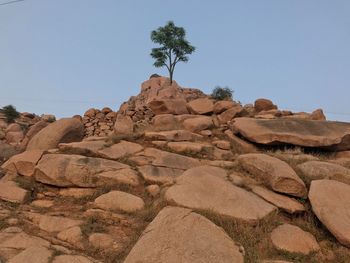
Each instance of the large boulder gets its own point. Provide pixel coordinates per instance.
(314, 170)
(293, 239)
(201, 106)
(330, 201)
(23, 163)
(123, 125)
(180, 235)
(207, 188)
(264, 105)
(276, 174)
(62, 131)
(329, 135)
(168, 106)
(76, 170)
(198, 124)
(174, 135)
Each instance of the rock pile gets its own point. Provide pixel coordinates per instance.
(98, 122)
(195, 185)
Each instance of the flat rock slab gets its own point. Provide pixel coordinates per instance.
(180, 235)
(323, 170)
(189, 147)
(35, 254)
(207, 188)
(20, 240)
(71, 259)
(175, 135)
(62, 131)
(88, 148)
(23, 163)
(76, 170)
(307, 133)
(283, 202)
(330, 201)
(119, 150)
(169, 160)
(161, 175)
(276, 174)
(119, 201)
(11, 192)
(293, 239)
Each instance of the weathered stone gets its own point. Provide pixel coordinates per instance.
(329, 135)
(126, 177)
(283, 202)
(323, 170)
(161, 175)
(330, 201)
(20, 240)
(229, 114)
(123, 125)
(198, 124)
(77, 192)
(168, 106)
(201, 106)
(72, 236)
(207, 188)
(23, 163)
(196, 240)
(43, 203)
(54, 223)
(62, 131)
(221, 144)
(239, 145)
(119, 201)
(293, 239)
(101, 241)
(175, 135)
(75, 170)
(318, 115)
(37, 254)
(165, 122)
(71, 259)
(264, 104)
(88, 148)
(189, 147)
(222, 105)
(276, 174)
(119, 150)
(9, 191)
(153, 190)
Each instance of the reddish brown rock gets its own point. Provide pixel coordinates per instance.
(119, 150)
(10, 192)
(198, 124)
(318, 115)
(264, 104)
(201, 106)
(123, 125)
(229, 114)
(23, 163)
(168, 106)
(222, 105)
(175, 135)
(61, 131)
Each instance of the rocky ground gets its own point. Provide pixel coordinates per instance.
(181, 178)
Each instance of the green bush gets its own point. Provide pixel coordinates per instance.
(220, 93)
(10, 113)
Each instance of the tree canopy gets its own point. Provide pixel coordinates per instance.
(173, 47)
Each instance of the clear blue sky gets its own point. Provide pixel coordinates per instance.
(65, 56)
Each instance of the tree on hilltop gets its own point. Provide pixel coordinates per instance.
(173, 47)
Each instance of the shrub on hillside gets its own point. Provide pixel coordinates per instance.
(220, 93)
(10, 113)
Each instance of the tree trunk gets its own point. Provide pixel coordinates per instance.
(171, 72)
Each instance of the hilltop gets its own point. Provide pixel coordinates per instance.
(175, 175)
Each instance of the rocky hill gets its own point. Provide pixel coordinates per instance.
(176, 176)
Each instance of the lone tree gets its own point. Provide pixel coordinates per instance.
(174, 47)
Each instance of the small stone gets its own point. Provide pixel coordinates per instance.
(153, 190)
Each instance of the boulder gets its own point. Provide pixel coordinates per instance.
(293, 239)
(314, 170)
(119, 201)
(330, 201)
(72, 235)
(201, 106)
(14, 138)
(328, 135)
(35, 253)
(169, 160)
(123, 125)
(180, 235)
(71, 259)
(274, 173)
(222, 105)
(189, 147)
(207, 188)
(222, 144)
(168, 106)
(198, 124)
(62, 131)
(101, 241)
(10, 192)
(318, 115)
(229, 114)
(165, 122)
(23, 163)
(283, 202)
(264, 104)
(119, 150)
(88, 148)
(239, 145)
(76, 170)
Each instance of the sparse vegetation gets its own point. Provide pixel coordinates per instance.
(10, 113)
(222, 93)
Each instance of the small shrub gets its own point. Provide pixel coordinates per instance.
(10, 113)
(220, 93)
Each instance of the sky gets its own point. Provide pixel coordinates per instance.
(66, 56)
